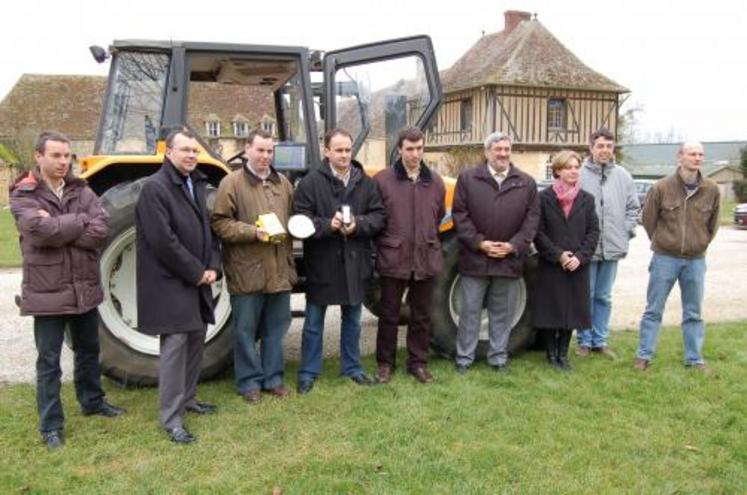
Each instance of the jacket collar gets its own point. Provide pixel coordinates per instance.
(176, 177)
(31, 180)
(254, 180)
(556, 204)
(596, 168)
(356, 171)
(483, 171)
(401, 173)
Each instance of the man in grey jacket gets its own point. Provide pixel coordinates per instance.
(617, 207)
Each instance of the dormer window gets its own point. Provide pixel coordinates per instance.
(240, 129)
(213, 128)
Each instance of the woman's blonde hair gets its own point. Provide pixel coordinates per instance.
(560, 161)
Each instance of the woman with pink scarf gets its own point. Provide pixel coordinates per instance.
(567, 235)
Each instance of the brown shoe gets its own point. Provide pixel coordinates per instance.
(641, 364)
(281, 392)
(253, 396)
(583, 351)
(421, 374)
(384, 373)
(605, 351)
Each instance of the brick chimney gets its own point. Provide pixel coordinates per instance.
(514, 17)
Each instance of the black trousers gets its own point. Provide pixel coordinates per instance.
(418, 331)
(49, 334)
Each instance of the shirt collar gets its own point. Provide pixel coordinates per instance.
(58, 191)
(343, 177)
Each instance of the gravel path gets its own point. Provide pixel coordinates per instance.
(726, 286)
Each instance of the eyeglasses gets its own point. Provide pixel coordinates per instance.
(187, 150)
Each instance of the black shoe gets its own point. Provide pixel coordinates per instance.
(461, 368)
(500, 368)
(202, 408)
(53, 439)
(362, 379)
(180, 435)
(305, 386)
(105, 409)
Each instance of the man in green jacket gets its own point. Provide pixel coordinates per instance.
(681, 218)
(259, 270)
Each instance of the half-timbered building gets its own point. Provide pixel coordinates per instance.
(524, 82)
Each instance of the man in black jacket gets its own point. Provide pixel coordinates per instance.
(177, 261)
(347, 212)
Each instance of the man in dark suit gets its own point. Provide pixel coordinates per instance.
(177, 261)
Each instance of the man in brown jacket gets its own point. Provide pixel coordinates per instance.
(260, 273)
(62, 228)
(496, 213)
(408, 254)
(681, 218)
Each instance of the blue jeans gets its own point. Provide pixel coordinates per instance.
(602, 277)
(264, 318)
(312, 341)
(49, 333)
(664, 271)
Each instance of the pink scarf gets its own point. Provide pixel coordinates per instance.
(566, 194)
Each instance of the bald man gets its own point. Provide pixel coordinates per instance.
(680, 216)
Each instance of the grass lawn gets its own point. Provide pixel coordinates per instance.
(602, 428)
(10, 252)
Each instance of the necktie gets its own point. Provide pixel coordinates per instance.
(191, 187)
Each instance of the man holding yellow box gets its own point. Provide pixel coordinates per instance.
(250, 215)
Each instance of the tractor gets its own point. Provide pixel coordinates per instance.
(297, 94)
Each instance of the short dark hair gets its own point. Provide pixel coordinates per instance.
(602, 132)
(412, 134)
(335, 132)
(41, 142)
(257, 133)
(175, 132)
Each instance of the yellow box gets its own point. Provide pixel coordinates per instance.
(270, 223)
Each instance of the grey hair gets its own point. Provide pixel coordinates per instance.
(494, 138)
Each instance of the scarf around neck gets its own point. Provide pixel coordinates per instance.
(566, 194)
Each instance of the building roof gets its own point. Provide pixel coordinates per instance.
(657, 160)
(523, 54)
(72, 104)
(69, 104)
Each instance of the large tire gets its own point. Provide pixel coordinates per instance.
(128, 356)
(447, 304)
(372, 301)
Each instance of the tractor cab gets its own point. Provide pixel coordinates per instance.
(222, 91)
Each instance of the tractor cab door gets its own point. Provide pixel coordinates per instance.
(375, 90)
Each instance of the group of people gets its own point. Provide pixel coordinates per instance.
(580, 227)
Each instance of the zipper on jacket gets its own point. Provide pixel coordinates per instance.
(601, 208)
(684, 224)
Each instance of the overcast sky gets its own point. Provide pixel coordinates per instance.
(686, 64)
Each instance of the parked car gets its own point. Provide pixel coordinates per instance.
(642, 187)
(740, 215)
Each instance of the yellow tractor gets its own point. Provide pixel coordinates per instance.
(220, 91)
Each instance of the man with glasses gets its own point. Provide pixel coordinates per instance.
(177, 261)
(617, 208)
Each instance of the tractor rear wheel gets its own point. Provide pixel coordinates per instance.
(127, 355)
